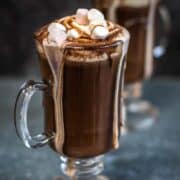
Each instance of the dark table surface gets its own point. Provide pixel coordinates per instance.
(153, 154)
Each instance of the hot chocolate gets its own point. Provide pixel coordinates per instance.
(135, 19)
(138, 17)
(82, 59)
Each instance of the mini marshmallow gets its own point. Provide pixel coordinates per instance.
(53, 27)
(57, 37)
(73, 33)
(100, 32)
(57, 34)
(95, 23)
(95, 14)
(82, 16)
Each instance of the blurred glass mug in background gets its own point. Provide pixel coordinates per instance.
(140, 18)
(82, 98)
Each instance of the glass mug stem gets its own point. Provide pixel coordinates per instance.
(133, 91)
(24, 96)
(81, 169)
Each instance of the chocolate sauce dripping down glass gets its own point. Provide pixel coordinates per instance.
(56, 62)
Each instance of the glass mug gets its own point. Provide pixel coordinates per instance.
(82, 105)
(139, 17)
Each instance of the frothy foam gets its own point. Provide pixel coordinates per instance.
(86, 56)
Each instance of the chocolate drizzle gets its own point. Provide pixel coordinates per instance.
(56, 62)
(119, 88)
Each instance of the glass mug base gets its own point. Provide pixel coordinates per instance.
(100, 177)
(141, 114)
(81, 169)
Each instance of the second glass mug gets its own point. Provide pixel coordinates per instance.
(139, 17)
(90, 98)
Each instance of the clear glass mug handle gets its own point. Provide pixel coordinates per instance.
(24, 96)
(160, 48)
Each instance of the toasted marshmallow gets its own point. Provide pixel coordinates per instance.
(100, 32)
(56, 27)
(82, 16)
(57, 37)
(73, 33)
(95, 23)
(94, 14)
